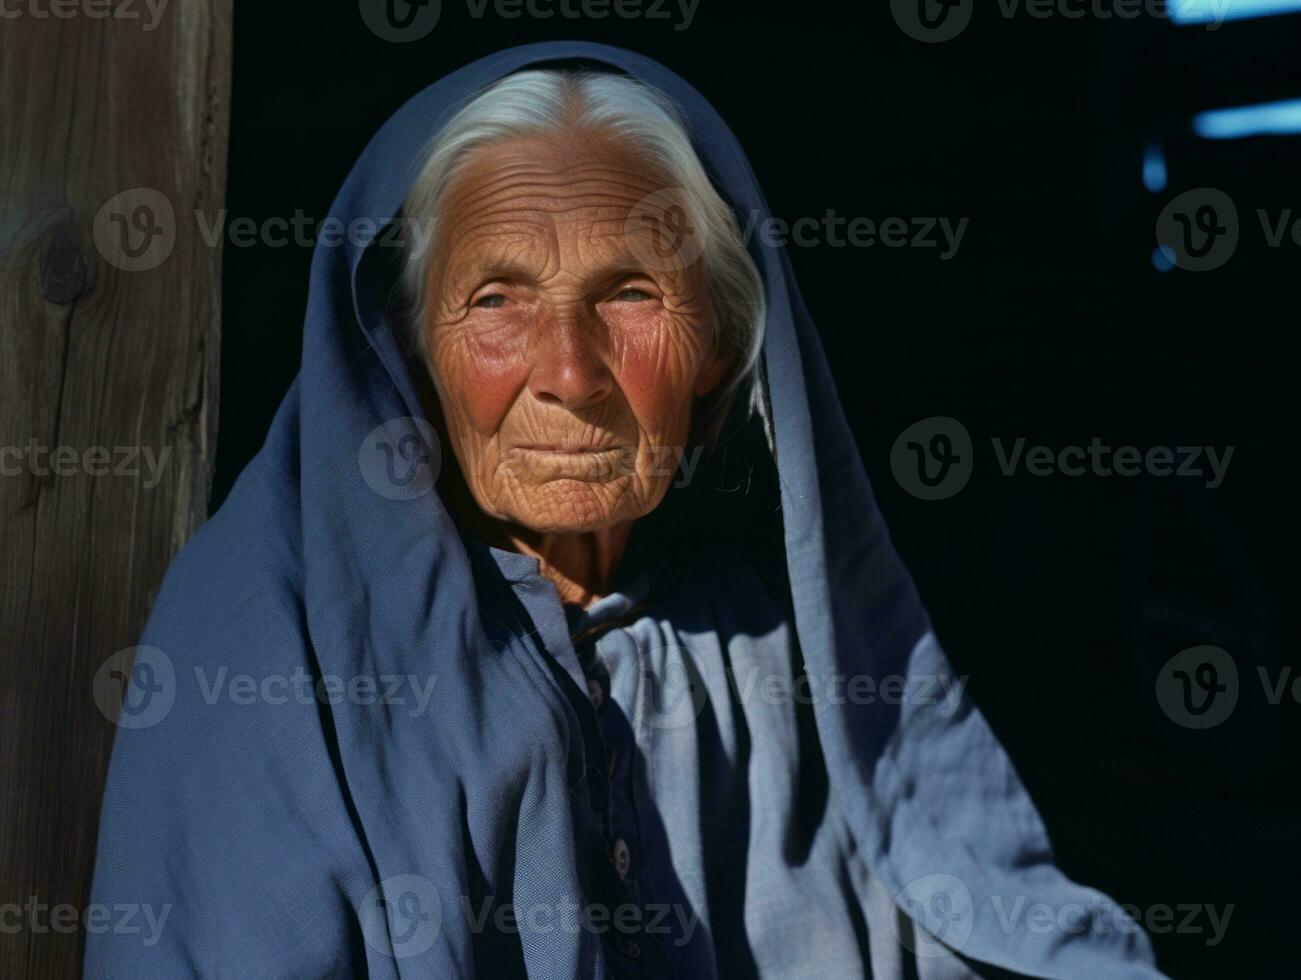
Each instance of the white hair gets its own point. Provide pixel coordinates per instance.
(553, 101)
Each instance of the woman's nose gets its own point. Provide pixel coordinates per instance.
(568, 363)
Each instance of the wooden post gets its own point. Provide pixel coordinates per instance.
(109, 341)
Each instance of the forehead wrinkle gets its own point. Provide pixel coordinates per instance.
(526, 246)
(499, 172)
(525, 253)
(549, 198)
(517, 216)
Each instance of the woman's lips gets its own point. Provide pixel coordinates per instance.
(589, 463)
(560, 450)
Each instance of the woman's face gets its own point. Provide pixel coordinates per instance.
(567, 344)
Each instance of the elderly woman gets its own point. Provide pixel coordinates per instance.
(611, 667)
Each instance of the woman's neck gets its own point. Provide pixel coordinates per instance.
(580, 565)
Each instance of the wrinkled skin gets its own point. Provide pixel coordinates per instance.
(566, 351)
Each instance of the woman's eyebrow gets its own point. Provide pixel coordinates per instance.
(495, 268)
(608, 274)
(599, 274)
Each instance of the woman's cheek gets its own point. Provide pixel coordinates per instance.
(483, 373)
(488, 391)
(655, 373)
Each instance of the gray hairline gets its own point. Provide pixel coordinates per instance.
(550, 101)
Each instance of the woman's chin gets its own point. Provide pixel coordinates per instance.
(573, 506)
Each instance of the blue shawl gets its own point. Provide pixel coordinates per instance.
(262, 823)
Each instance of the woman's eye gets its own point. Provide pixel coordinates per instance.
(491, 301)
(631, 294)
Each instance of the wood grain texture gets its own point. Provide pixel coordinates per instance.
(95, 351)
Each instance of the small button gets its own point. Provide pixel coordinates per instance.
(630, 949)
(621, 856)
(595, 694)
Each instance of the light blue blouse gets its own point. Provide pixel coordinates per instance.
(715, 806)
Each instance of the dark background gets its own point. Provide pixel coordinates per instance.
(1062, 597)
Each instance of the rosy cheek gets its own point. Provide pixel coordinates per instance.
(654, 368)
(483, 372)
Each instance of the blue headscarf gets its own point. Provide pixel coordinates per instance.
(264, 823)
